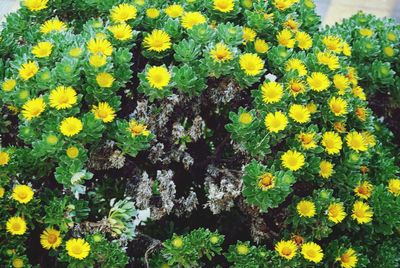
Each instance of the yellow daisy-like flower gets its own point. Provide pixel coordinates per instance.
(359, 93)
(332, 142)
(328, 59)
(336, 212)
(338, 106)
(137, 129)
(17, 263)
(388, 51)
(348, 259)
(121, 31)
(152, 13)
(62, 97)
(104, 112)
(346, 49)
(296, 86)
(292, 160)
(28, 70)
(312, 107)
(366, 32)
(261, 46)
(325, 169)
(364, 190)
(312, 252)
(391, 36)
(245, 118)
(2, 191)
(271, 92)
(291, 24)
(42, 49)
(52, 25)
(394, 187)
(8, 85)
(304, 40)
(75, 52)
(123, 13)
(35, 5)
(318, 81)
(77, 248)
(4, 158)
(266, 181)
(50, 239)
(286, 249)
(190, 19)
(251, 64)
(307, 140)
(242, 249)
(362, 212)
(276, 122)
(306, 209)
(221, 53)
(341, 83)
(361, 113)
(16, 226)
(174, 11)
(352, 75)
(97, 60)
(369, 138)
(177, 242)
(224, 6)
(296, 65)
(71, 126)
(158, 77)
(22, 194)
(100, 46)
(332, 43)
(285, 38)
(249, 35)
(33, 108)
(157, 41)
(72, 152)
(299, 113)
(105, 80)
(356, 141)
(283, 4)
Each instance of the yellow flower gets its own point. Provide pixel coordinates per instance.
(332, 142)
(100, 46)
(389, 51)
(28, 70)
(318, 81)
(286, 249)
(328, 59)
(52, 25)
(285, 38)
(364, 190)
(2, 191)
(8, 84)
(348, 259)
(359, 93)
(18, 263)
(346, 49)
(261, 46)
(312, 252)
(292, 160)
(306, 209)
(341, 83)
(362, 212)
(33, 108)
(75, 52)
(266, 181)
(152, 13)
(16, 226)
(190, 19)
(157, 41)
(336, 212)
(50, 239)
(394, 187)
(42, 49)
(35, 5)
(369, 138)
(158, 77)
(296, 65)
(123, 13)
(104, 112)
(177, 242)
(325, 169)
(22, 194)
(62, 97)
(332, 43)
(361, 113)
(304, 40)
(251, 64)
(356, 141)
(299, 113)
(307, 140)
(283, 4)
(97, 60)
(77, 248)
(174, 11)
(242, 249)
(221, 53)
(275, 122)
(271, 92)
(71, 126)
(105, 80)
(224, 6)
(366, 32)
(248, 35)
(352, 75)
(391, 36)
(137, 129)
(72, 152)
(121, 31)
(338, 106)
(245, 118)
(291, 24)
(296, 86)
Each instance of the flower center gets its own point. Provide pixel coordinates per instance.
(51, 238)
(77, 250)
(16, 226)
(311, 253)
(286, 251)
